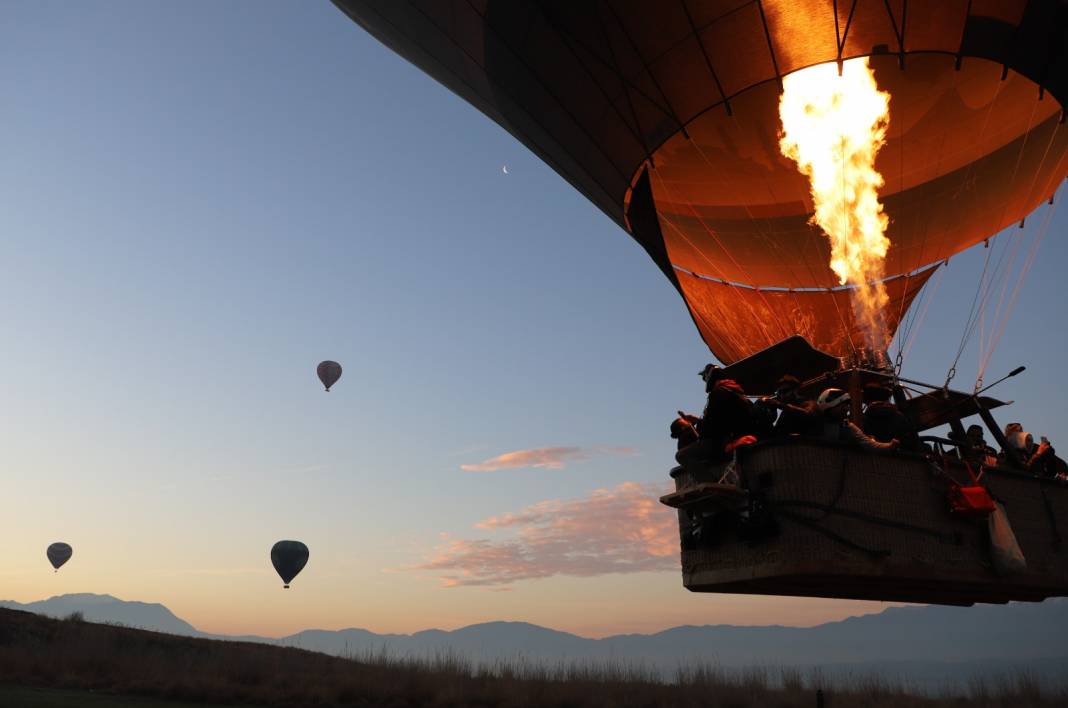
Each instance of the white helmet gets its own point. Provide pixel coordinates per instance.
(831, 398)
(1024, 442)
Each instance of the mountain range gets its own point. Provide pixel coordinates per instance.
(921, 644)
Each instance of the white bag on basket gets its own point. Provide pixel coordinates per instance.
(1004, 550)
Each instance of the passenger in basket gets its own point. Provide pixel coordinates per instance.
(976, 449)
(728, 416)
(1017, 453)
(1040, 460)
(800, 415)
(834, 405)
(884, 422)
(684, 429)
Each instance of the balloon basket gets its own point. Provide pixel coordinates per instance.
(816, 519)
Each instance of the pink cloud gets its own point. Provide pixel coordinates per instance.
(619, 530)
(551, 458)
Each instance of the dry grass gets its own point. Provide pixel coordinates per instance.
(72, 654)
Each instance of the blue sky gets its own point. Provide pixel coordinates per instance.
(202, 201)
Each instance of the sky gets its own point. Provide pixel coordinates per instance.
(201, 201)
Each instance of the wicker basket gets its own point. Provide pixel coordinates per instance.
(840, 522)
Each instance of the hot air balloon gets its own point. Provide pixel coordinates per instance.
(669, 118)
(288, 559)
(329, 372)
(58, 554)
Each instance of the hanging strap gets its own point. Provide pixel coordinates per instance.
(804, 521)
(952, 538)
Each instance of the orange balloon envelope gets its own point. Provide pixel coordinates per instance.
(665, 115)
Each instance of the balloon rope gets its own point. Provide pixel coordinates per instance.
(927, 296)
(1003, 309)
(974, 314)
(985, 345)
(908, 341)
(756, 315)
(1001, 322)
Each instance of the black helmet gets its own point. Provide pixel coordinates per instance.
(711, 372)
(787, 382)
(877, 391)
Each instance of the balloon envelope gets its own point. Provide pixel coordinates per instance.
(329, 372)
(58, 554)
(665, 115)
(288, 559)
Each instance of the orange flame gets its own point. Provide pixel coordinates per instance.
(833, 126)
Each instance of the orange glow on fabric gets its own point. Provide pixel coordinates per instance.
(832, 127)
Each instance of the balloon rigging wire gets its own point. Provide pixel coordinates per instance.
(916, 323)
(914, 326)
(1001, 316)
(778, 321)
(983, 288)
(1001, 321)
(907, 317)
(715, 238)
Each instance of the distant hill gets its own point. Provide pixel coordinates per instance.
(48, 662)
(105, 609)
(924, 643)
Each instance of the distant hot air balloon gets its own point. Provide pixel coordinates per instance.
(58, 554)
(288, 559)
(329, 372)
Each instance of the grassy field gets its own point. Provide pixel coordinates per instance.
(46, 662)
(23, 697)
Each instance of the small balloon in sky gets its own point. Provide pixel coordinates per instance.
(288, 559)
(58, 554)
(504, 169)
(329, 372)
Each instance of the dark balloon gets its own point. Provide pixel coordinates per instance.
(58, 554)
(329, 372)
(288, 559)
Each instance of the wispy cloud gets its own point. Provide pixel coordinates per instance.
(551, 458)
(619, 530)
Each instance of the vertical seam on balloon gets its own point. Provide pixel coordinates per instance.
(898, 34)
(648, 69)
(635, 130)
(708, 59)
(771, 47)
(637, 89)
